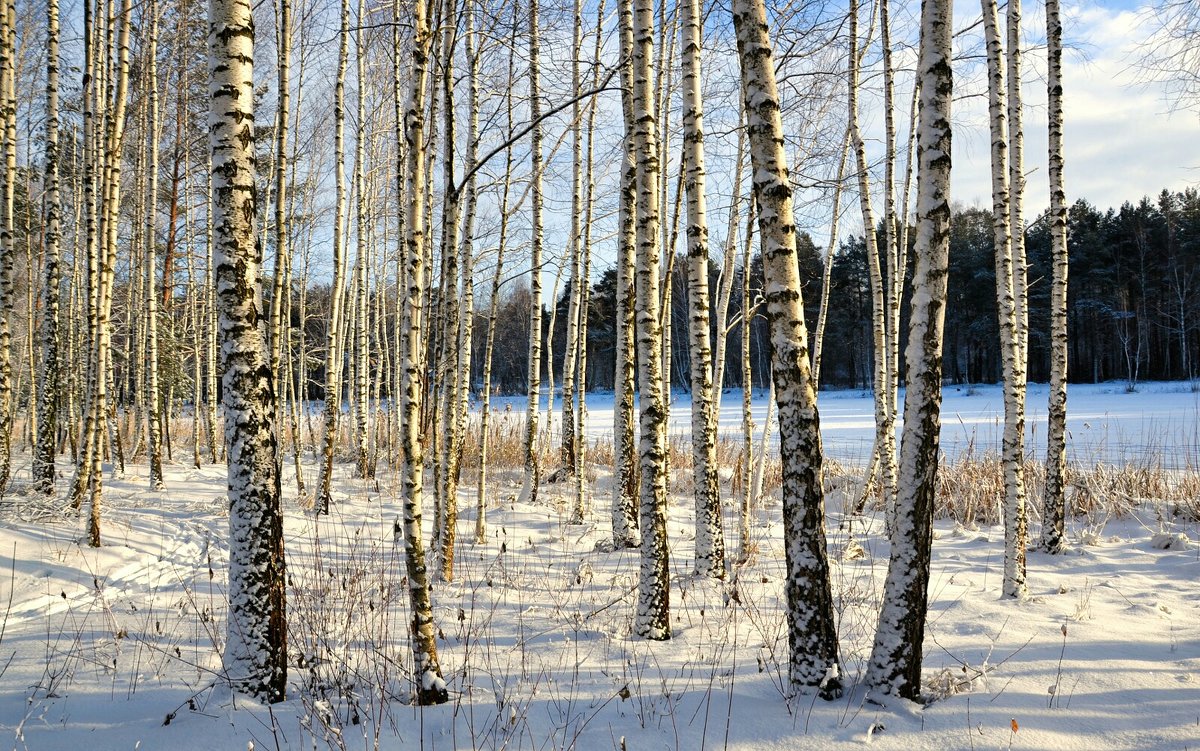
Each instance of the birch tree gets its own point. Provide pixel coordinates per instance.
(363, 467)
(710, 537)
(1054, 502)
(1008, 310)
(1016, 537)
(894, 668)
(529, 490)
(884, 452)
(49, 382)
(624, 515)
(8, 240)
(255, 657)
(333, 340)
(153, 397)
(567, 453)
(653, 617)
(427, 672)
(812, 639)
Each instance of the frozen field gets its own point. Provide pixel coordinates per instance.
(118, 648)
(1159, 422)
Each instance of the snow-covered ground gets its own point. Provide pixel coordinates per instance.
(1159, 421)
(118, 648)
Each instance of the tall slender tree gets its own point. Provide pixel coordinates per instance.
(8, 238)
(710, 537)
(812, 638)
(153, 396)
(653, 617)
(49, 385)
(1008, 310)
(1016, 516)
(255, 658)
(624, 514)
(894, 668)
(1054, 502)
(529, 490)
(334, 336)
(427, 672)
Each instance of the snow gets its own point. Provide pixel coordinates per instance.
(120, 646)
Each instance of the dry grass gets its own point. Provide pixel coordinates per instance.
(970, 487)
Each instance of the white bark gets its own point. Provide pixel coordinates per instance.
(1016, 533)
(153, 397)
(333, 339)
(1012, 458)
(49, 385)
(813, 661)
(894, 668)
(652, 619)
(1054, 506)
(529, 490)
(8, 245)
(430, 686)
(255, 657)
(885, 435)
(363, 466)
(624, 516)
(710, 542)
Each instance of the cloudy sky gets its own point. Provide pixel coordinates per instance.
(1122, 138)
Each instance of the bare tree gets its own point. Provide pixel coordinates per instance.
(894, 668)
(255, 659)
(333, 345)
(812, 638)
(624, 516)
(1054, 502)
(427, 672)
(710, 537)
(49, 385)
(653, 617)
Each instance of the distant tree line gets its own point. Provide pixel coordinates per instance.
(1134, 304)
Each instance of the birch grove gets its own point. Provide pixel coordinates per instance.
(409, 342)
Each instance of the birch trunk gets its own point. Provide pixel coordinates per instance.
(710, 536)
(8, 241)
(567, 452)
(744, 546)
(427, 672)
(364, 469)
(466, 310)
(811, 632)
(624, 507)
(49, 382)
(333, 340)
(582, 504)
(885, 434)
(446, 524)
(281, 329)
(1055, 502)
(1011, 456)
(153, 396)
(894, 668)
(529, 490)
(1016, 532)
(652, 619)
(255, 658)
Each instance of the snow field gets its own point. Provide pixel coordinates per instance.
(100, 648)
